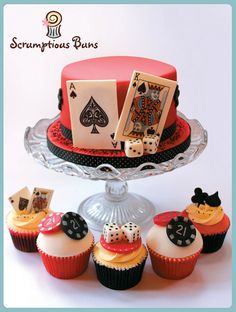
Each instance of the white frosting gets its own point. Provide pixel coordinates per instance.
(60, 245)
(159, 242)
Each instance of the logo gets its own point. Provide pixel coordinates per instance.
(53, 23)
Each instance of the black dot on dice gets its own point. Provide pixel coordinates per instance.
(139, 153)
(111, 234)
(117, 234)
(12, 201)
(130, 148)
(134, 151)
(150, 143)
(117, 238)
(112, 240)
(145, 142)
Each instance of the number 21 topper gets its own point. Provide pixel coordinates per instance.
(71, 223)
(181, 231)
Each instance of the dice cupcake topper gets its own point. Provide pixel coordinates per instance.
(114, 233)
(201, 198)
(181, 231)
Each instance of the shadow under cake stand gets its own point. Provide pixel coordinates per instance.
(116, 204)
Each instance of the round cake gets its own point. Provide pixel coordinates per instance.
(176, 134)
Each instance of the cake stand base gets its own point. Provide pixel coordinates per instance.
(116, 205)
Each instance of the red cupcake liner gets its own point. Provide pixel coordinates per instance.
(24, 241)
(173, 268)
(66, 267)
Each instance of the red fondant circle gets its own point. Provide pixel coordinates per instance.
(164, 218)
(121, 246)
(51, 224)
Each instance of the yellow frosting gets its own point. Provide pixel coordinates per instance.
(28, 222)
(118, 260)
(205, 214)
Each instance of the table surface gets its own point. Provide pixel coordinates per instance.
(205, 95)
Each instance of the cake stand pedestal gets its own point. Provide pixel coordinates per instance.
(116, 204)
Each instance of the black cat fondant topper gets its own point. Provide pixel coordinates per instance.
(202, 198)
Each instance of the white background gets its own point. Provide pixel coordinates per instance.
(196, 39)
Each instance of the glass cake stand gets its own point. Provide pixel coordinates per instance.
(116, 204)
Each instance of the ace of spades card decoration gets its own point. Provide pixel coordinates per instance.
(146, 106)
(94, 113)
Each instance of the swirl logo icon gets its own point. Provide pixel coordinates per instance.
(53, 22)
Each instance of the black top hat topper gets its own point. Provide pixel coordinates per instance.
(201, 198)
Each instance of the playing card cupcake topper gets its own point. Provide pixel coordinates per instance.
(181, 231)
(25, 202)
(201, 198)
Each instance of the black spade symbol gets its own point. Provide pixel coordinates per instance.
(213, 200)
(112, 135)
(73, 94)
(142, 88)
(93, 114)
(151, 131)
(199, 197)
(134, 84)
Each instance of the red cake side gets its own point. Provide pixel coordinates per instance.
(119, 68)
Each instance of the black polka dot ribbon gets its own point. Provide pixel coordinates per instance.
(166, 134)
(181, 231)
(74, 226)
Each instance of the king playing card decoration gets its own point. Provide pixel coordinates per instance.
(146, 106)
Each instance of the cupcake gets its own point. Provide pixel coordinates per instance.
(65, 244)
(28, 211)
(174, 245)
(119, 256)
(209, 218)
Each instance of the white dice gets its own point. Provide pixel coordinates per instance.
(112, 232)
(150, 144)
(134, 148)
(131, 232)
